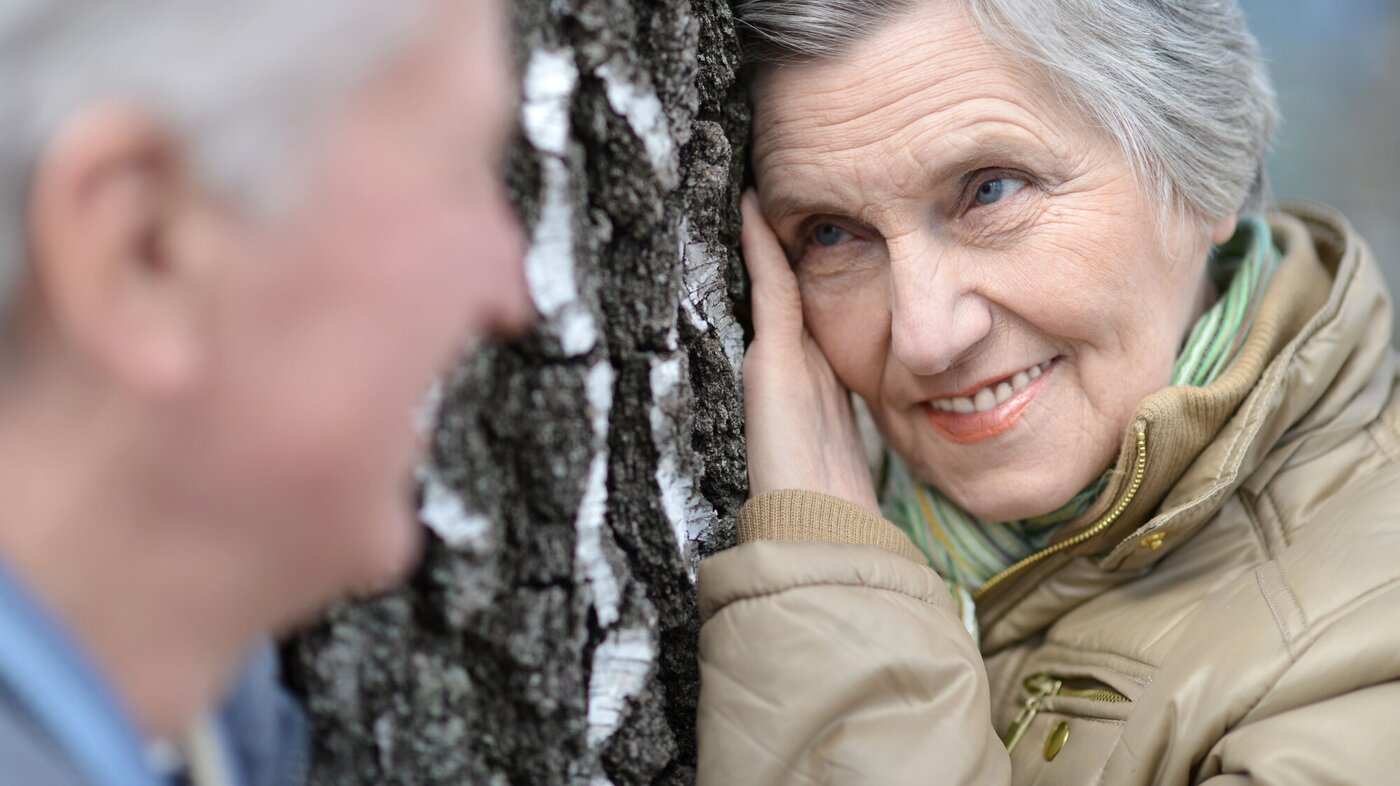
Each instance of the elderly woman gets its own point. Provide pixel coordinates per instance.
(1138, 519)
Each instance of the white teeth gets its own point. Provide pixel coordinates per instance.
(991, 397)
(985, 400)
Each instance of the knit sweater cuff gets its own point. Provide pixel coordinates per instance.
(791, 514)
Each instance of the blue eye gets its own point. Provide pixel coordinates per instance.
(997, 189)
(828, 235)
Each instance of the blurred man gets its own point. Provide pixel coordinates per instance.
(237, 243)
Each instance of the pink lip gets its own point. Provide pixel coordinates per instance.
(980, 426)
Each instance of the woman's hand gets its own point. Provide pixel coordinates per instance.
(800, 428)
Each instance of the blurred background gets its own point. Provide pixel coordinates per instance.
(1336, 64)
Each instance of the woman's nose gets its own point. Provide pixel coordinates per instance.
(935, 318)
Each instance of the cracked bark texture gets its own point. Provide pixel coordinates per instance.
(577, 476)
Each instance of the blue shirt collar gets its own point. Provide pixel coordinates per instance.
(54, 681)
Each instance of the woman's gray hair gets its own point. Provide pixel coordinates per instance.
(236, 82)
(1181, 84)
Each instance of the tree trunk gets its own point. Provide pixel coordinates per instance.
(577, 476)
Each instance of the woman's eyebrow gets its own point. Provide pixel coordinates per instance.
(783, 204)
(996, 149)
(986, 150)
(941, 167)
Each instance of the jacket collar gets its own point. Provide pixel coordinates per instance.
(1317, 358)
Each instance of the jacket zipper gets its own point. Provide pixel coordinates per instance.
(1139, 471)
(1041, 687)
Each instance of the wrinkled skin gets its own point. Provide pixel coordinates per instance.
(940, 220)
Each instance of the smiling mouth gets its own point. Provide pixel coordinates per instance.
(989, 410)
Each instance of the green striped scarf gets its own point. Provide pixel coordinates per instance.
(967, 551)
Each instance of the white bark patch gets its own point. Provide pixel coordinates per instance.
(443, 512)
(589, 560)
(705, 297)
(578, 333)
(644, 113)
(623, 660)
(550, 260)
(691, 516)
(549, 265)
(550, 79)
(621, 665)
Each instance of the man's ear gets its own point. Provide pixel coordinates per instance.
(109, 271)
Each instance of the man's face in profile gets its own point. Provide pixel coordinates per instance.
(334, 319)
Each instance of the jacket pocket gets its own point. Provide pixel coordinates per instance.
(1068, 723)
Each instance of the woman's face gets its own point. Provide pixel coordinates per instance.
(976, 260)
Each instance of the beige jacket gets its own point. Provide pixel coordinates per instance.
(1228, 614)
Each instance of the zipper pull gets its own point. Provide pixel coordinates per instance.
(1040, 687)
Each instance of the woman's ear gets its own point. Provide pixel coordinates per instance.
(1222, 229)
(106, 200)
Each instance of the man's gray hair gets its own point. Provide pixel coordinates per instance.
(236, 82)
(1181, 84)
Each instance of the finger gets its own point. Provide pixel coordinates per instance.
(777, 302)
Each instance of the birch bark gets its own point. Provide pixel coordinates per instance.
(578, 476)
